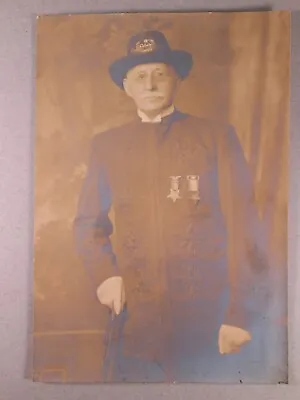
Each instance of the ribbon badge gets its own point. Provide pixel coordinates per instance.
(193, 186)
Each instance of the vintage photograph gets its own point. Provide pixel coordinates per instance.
(161, 198)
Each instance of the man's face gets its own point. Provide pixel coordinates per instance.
(151, 86)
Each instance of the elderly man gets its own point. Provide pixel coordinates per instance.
(182, 196)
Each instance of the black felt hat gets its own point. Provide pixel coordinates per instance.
(150, 47)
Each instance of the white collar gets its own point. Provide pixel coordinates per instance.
(158, 117)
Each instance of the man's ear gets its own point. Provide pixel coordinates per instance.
(177, 78)
(178, 81)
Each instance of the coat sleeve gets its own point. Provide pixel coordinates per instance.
(92, 225)
(248, 266)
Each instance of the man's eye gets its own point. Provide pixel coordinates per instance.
(141, 76)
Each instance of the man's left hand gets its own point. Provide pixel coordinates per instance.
(231, 338)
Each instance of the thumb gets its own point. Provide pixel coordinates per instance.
(117, 305)
(117, 302)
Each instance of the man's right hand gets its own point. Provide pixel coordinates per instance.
(111, 293)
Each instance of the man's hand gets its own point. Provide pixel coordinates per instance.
(231, 338)
(111, 293)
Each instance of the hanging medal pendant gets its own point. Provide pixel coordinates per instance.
(174, 194)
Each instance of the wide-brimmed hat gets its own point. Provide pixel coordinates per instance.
(150, 47)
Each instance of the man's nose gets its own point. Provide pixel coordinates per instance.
(150, 83)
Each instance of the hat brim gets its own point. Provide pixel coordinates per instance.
(181, 60)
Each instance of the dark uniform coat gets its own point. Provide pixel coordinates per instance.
(182, 196)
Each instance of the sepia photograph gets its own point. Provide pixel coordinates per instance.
(161, 198)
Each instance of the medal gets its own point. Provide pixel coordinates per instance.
(193, 186)
(174, 189)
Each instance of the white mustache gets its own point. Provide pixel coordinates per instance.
(156, 96)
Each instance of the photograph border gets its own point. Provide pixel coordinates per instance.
(17, 24)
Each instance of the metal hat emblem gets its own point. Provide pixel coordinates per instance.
(144, 46)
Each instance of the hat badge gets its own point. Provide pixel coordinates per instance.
(144, 46)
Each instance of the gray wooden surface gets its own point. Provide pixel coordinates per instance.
(16, 182)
